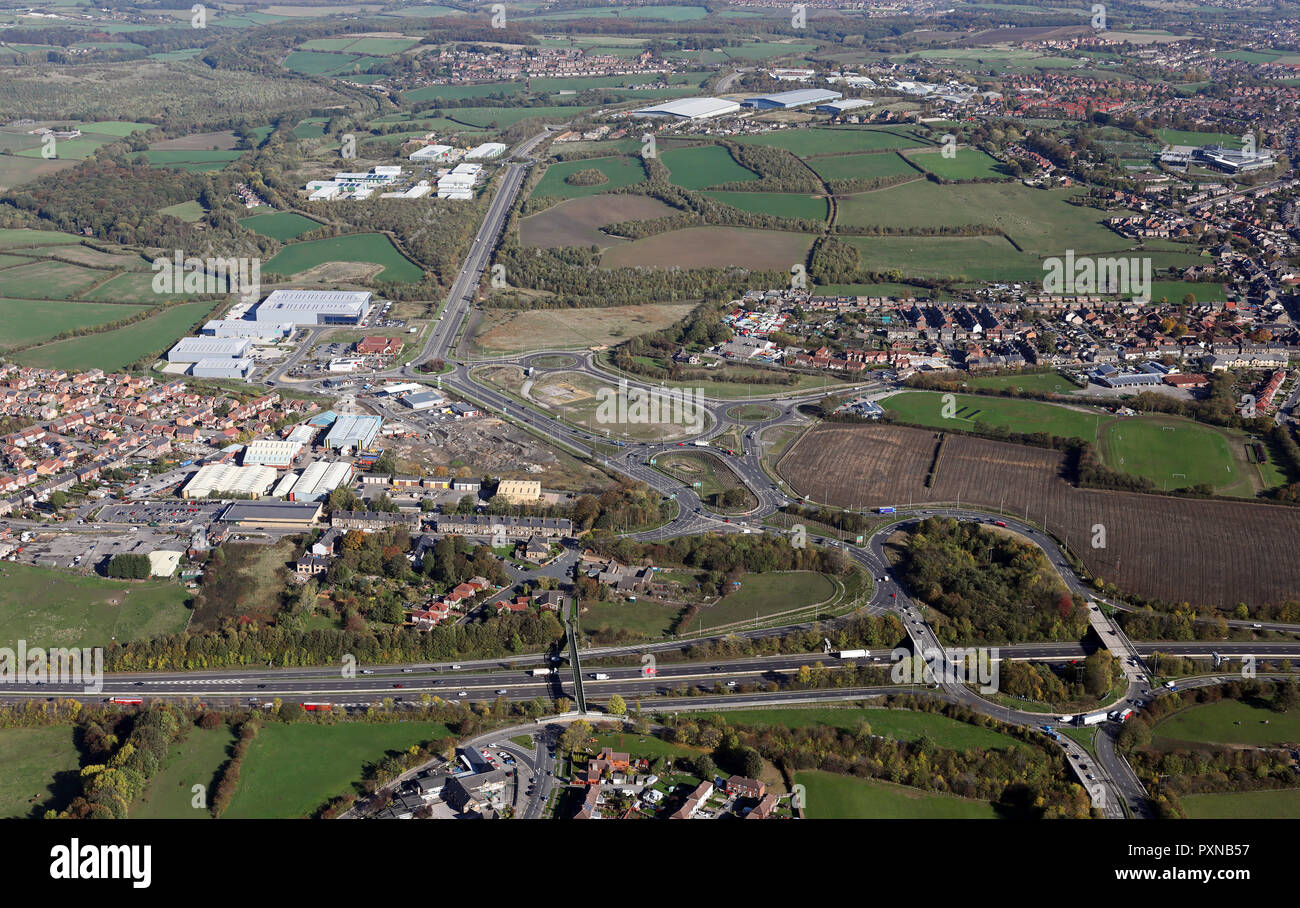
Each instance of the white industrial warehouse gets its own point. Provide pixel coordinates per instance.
(787, 100)
(317, 480)
(690, 109)
(353, 430)
(271, 452)
(217, 367)
(194, 349)
(314, 307)
(240, 327)
(228, 479)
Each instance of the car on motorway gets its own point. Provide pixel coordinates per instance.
(399, 685)
(502, 690)
(462, 694)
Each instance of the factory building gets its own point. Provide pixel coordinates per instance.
(222, 368)
(228, 479)
(353, 431)
(282, 515)
(689, 109)
(317, 480)
(788, 100)
(314, 307)
(194, 349)
(239, 327)
(484, 152)
(271, 452)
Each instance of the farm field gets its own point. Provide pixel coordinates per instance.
(510, 331)
(870, 466)
(899, 724)
(112, 350)
(1040, 221)
(1170, 451)
(780, 204)
(620, 171)
(132, 287)
(825, 141)
(712, 247)
(60, 608)
(192, 761)
(371, 248)
(761, 595)
(279, 225)
(49, 280)
(13, 239)
(969, 164)
(1227, 722)
(968, 258)
(831, 796)
(277, 783)
(41, 766)
(861, 166)
(703, 166)
(1283, 804)
(16, 170)
(31, 321)
(671, 13)
(577, 222)
(505, 117)
(195, 161)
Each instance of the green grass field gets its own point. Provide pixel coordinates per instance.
(49, 280)
(374, 248)
(1049, 382)
(969, 258)
(620, 171)
(193, 761)
(1040, 221)
(317, 63)
(830, 796)
(59, 608)
(1228, 722)
(113, 350)
(761, 595)
(703, 166)
(505, 117)
(279, 225)
(1244, 805)
(291, 770)
(646, 617)
(189, 211)
(861, 166)
(811, 142)
(1170, 451)
(14, 238)
(1185, 137)
(131, 287)
(37, 765)
(32, 321)
(780, 204)
(899, 724)
(187, 159)
(967, 164)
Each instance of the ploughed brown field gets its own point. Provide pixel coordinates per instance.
(1215, 553)
(577, 222)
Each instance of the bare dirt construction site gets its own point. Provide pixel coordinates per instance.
(507, 331)
(488, 445)
(577, 222)
(1216, 553)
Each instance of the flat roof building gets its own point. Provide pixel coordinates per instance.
(240, 327)
(353, 430)
(273, 514)
(193, 349)
(485, 151)
(423, 400)
(690, 109)
(520, 491)
(835, 108)
(222, 368)
(228, 479)
(314, 307)
(271, 452)
(318, 479)
(785, 100)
